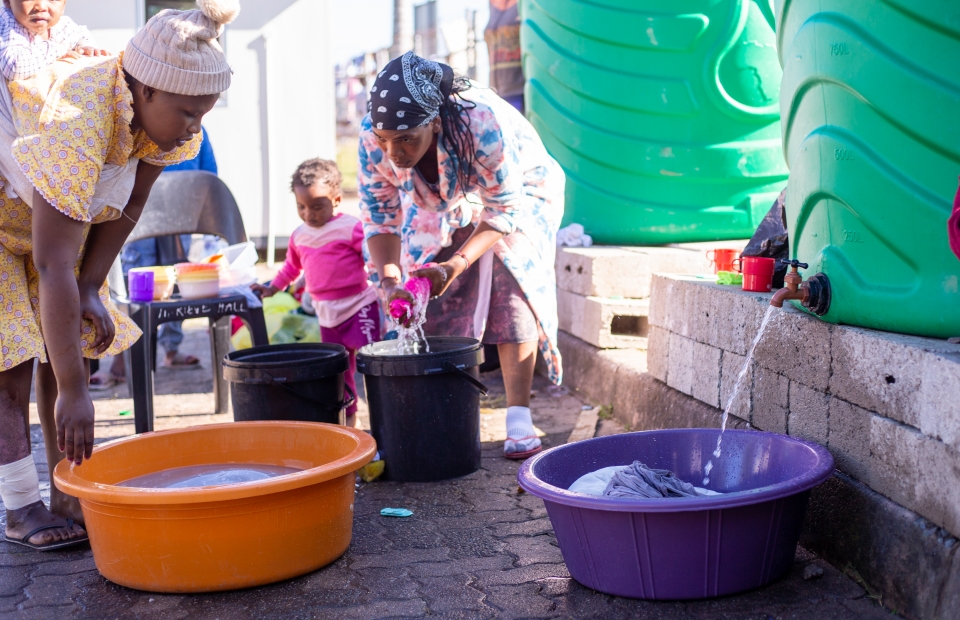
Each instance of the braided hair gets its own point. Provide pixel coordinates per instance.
(457, 136)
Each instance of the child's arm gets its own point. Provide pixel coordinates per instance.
(77, 38)
(21, 59)
(290, 271)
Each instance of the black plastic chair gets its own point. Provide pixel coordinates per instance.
(184, 203)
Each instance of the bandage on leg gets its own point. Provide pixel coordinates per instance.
(521, 436)
(19, 483)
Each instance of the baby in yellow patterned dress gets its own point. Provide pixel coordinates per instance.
(87, 141)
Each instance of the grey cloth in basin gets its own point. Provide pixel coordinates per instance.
(639, 481)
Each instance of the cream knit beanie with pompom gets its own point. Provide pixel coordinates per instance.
(178, 52)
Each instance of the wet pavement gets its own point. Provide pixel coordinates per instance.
(475, 547)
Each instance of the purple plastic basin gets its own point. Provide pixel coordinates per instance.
(682, 548)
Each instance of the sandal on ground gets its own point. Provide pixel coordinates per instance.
(180, 362)
(101, 383)
(514, 455)
(60, 544)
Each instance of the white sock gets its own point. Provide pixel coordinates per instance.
(19, 483)
(521, 436)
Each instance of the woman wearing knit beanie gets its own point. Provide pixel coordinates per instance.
(83, 143)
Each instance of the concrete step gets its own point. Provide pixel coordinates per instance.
(605, 323)
(610, 271)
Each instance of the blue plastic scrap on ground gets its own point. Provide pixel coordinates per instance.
(396, 512)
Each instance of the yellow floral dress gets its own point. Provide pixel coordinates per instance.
(72, 119)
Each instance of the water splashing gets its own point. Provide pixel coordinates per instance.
(409, 318)
(736, 389)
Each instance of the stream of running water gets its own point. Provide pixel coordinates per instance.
(736, 390)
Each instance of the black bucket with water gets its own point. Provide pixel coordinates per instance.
(302, 382)
(425, 408)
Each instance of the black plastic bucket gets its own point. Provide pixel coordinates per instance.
(298, 382)
(425, 409)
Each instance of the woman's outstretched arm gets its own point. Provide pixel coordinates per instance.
(103, 245)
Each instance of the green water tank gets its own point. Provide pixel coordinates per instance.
(870, 105)
(663, 113)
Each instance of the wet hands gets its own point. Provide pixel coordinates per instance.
(93, 310)
(74, 416)
(441, 276)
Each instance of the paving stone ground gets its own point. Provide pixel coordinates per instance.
(475, 548)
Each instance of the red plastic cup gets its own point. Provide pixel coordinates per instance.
(757, 273)
(722, 259)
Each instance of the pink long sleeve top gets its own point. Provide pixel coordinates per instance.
(331, 260)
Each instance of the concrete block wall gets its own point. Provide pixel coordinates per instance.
(603, 292)
(886, 405)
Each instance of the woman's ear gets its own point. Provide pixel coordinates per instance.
(147, 93)
(436, 124)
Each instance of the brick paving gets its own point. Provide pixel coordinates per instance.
(476, 547)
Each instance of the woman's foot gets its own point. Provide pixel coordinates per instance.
(51, 531)
(522, 440)
(177, 360)
(102, 382)
(65, 506)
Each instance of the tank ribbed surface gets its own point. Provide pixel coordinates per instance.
(663, 113)
(871, 129)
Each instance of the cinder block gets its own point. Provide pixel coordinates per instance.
(809, 413)
(938, 399)
(706, 373)
(661, 289)
(938, 491)
(658, 352)
(739, 316)
(909, 379)
(731, 365)
(604, 323)
(895, 462)
(848, 439)
(680, 364)
(797, 346)
(771, 400)
(608, 271)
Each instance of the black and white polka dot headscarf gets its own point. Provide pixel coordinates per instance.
(409, 92)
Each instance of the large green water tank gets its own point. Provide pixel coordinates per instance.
(663, 113)
(871, 125)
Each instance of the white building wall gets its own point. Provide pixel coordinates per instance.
(279, 110)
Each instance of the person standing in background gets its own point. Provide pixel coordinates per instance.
(165, 250)
(502, 35)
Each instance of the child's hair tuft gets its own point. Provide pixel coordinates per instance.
(317, 170)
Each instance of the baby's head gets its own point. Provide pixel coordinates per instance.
(37, 16)
(316, 184)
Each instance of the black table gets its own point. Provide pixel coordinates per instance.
(143, 355)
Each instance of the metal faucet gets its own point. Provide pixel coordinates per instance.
(793, 285)
(814, 294)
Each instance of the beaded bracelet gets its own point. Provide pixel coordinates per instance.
(464, 257)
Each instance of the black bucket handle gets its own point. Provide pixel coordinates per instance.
(460, 372)
(281, 383)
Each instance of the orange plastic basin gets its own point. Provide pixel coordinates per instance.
(220, 537)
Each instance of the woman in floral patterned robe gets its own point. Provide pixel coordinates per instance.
(455, 179)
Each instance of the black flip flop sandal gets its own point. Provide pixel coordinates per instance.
(51, 546)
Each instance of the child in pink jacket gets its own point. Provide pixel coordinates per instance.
(328, 250)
